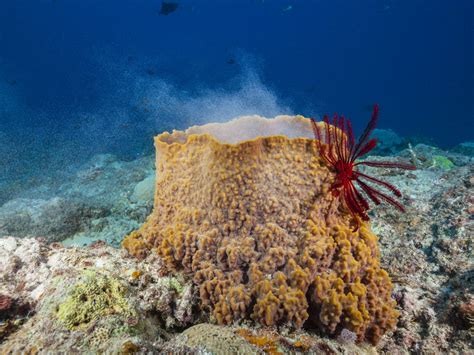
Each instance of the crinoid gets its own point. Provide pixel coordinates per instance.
(338, 147)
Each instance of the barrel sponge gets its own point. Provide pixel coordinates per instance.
(245, 209)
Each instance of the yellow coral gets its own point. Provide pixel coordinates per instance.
(136, 245)
(136, 274)
(255, 223)
(268, 343)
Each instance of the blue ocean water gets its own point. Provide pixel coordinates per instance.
(82, 77)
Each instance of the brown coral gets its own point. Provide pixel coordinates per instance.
(254, 223)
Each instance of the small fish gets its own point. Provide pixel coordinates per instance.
(168, 7)
(288, 8)
(151, 72)
(230, 61)
(12, 82)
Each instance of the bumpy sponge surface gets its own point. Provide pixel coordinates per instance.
(255, 225)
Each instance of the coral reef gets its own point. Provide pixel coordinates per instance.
(54, 217)
(255, 224)
(465, 148)
(162, 307)
(83, 208)
(430, 261)
(213, 339)
(427, 251)
(88, 299)
(210, 339)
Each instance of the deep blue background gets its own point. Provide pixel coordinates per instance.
(79, 77)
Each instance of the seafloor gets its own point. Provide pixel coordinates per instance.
(427, 251)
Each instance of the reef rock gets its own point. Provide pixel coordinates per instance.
(104, 200)
(427, 251)
(144, 190)
(56, 218)
(210, 339)
(465, 148)
(89, 299)
(245, 207)
(389, 142)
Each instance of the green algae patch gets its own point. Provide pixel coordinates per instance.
(441, 162)
(173, 283)
(95, 296)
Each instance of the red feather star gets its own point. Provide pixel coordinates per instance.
(338, 148)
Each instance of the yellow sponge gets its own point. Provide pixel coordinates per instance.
(255, 225)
